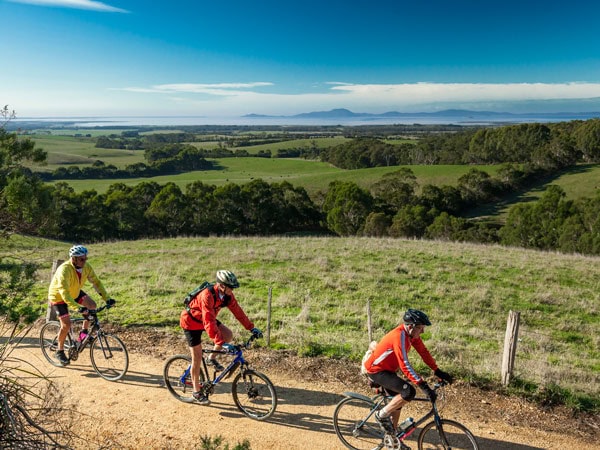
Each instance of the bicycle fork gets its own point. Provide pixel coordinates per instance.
(104, 345)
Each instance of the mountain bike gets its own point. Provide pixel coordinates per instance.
(108, 353)
(355, 425)
(253, 393)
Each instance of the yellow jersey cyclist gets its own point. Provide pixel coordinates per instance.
(66, 289)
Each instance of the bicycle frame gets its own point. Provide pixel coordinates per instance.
(94, 333)
(381, 399)
(238, 361)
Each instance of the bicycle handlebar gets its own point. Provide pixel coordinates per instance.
(109, 304)
(246, 345)
(440, 384)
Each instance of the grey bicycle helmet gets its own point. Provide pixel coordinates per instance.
(416, 317)
(78, 250)
(228, 279)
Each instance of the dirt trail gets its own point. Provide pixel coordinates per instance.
(138, 411)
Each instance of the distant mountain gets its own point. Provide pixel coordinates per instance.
(343, 113)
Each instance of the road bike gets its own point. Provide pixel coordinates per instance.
(108, 353)
(355, 425)
(253, 393)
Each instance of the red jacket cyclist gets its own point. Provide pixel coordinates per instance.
(391, 355)
(202, 316)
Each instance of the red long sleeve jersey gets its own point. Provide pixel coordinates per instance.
(391, 354)
(204, 309)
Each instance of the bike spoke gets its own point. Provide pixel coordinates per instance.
(109, 356)
(453, 435)
(254, 394)
(356, 426)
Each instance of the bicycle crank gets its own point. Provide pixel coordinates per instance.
(392, 442)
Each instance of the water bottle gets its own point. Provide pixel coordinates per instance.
(404, 426)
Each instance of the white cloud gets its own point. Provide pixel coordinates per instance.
(375, 98)
(75, 4)
(424, 92)
(218, 89)
(229, 99)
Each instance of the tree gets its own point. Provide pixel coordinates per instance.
(347, 207)
(169, 210)
(587, 139)
(538, 224)
(445, 227)
(411, 221)
(396, 188)
(377, 225)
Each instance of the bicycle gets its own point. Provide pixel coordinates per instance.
(108, 353)
(253, 393)
(355, 425)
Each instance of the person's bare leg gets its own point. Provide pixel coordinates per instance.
(227, 336)
(196, 366)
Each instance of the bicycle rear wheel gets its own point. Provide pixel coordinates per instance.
(355, 426)
(109, 356)
(49, 342)
(177, 377)
(453, 435)
(254, 394)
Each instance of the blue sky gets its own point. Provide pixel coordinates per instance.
(284, 57)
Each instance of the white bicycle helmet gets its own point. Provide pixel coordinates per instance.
(78, 250)
(228, 279)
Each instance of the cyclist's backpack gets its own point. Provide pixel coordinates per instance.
(367, 355)
(188, 298)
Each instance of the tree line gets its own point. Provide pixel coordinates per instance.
(391, 207)
(544, 146)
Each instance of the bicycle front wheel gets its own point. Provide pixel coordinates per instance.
(49, 342)
(355, 425)
(254, 394)
(452, 435)
(109, 356)
(177, 377)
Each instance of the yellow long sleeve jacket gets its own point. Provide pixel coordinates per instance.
(66, 285)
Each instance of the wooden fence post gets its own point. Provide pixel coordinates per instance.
(510, 346)
(369, 320)
(269, 317)
(50, 312)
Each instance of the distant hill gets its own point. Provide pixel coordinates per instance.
(343, 113)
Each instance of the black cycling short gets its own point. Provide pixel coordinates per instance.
(394, 384)
(194, 337)
(62, 309)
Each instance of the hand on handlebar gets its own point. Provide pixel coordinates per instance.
(110, 302)
(229, 348)
(444, 376)
(256, 333)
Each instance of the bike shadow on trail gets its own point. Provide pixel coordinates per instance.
(84, 367)
(322, 422)
(308, 420)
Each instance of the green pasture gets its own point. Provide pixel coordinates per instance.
(581, 181)
(81, 151)
(321, 287)
(314, 176)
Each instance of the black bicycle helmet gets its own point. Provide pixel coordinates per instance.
(416, 317)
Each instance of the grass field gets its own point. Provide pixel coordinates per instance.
(321, 286)
(314, 176)
(80, 151)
